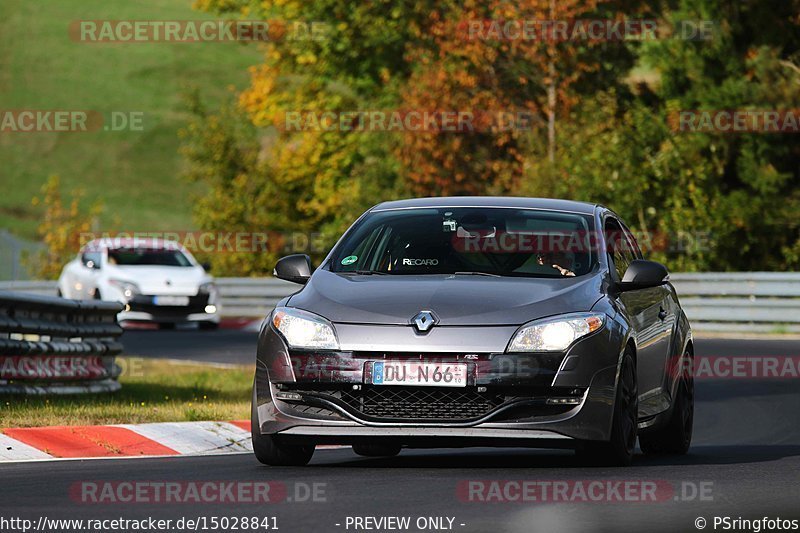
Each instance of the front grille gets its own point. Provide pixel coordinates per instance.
(429, 404)
(421, 403)
(412, 403)
(143, 303)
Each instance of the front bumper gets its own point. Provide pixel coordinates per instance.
(143, 308)
(540, 399)
(167, 318)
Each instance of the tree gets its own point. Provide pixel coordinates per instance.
(61, 228)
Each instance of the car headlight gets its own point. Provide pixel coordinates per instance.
(555, 334)
(302, 329)
(128, 289)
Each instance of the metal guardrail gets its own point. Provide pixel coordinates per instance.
(713, 301)
(252, 297)
(741, 301)
(54, 345)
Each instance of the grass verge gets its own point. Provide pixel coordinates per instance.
(135, 174)
(152, 391)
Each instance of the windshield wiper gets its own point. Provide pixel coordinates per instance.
(369, 272)
(477, 274)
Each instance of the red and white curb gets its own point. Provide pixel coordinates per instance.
(125, 440)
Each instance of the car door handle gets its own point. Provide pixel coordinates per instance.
(662, 314)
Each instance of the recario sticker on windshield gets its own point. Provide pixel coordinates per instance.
(350, 259)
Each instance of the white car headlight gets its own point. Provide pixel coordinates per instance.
(207, 288)
(128, 289)
(555, 334)
(302, 329)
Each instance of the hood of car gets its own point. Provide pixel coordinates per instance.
(461, 300)
(161, 279)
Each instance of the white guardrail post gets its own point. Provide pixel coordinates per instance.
(714, 301)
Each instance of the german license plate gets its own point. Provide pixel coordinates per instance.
(419, 374)
(170, 300)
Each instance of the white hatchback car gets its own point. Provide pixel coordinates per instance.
(157, 280)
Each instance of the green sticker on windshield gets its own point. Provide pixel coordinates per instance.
(350, 259)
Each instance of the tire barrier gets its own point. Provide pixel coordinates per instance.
(51, 345)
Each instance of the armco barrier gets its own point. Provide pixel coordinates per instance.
(53, 345)
(714, 301)
(741, 301)
(252, 297)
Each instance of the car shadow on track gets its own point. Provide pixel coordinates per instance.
(721, 455)
(521, 458)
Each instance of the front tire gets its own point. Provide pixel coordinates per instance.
(619, 450)
(272, 449)
(208, 325)
(675, 437)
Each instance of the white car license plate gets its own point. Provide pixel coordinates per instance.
(418, 373)
(171, 300)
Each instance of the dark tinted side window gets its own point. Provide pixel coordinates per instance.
(632, 243)
(621, 251)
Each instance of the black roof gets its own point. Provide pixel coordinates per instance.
(491, 201)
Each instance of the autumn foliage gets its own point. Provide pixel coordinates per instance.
(61, 227)
(598, 121)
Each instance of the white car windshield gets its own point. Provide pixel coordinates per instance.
(148, 256)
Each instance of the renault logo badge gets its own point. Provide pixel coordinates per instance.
(424, 320)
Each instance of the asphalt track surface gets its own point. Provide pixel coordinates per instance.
(745, 456)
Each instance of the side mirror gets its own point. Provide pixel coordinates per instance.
(295, 268)
(206, 266)
(643, 274)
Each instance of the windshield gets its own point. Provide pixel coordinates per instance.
(147, 256)
(468, 240)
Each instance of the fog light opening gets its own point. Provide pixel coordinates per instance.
(563, 401)
(288, 396)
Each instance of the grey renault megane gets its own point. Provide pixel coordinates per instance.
(476, 321)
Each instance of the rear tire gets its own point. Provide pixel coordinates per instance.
(675, 437)
(619, 450)
(377, 450)
(272, 449)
